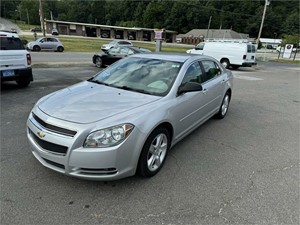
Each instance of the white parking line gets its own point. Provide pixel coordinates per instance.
(246, 77)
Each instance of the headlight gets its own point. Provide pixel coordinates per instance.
(108, 137)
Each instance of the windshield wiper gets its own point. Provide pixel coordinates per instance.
(134, 89)
(98, 82)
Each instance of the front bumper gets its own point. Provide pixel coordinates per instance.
(65, 154)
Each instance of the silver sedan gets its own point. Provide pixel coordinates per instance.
(125, 119)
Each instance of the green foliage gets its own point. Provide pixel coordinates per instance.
(291, 39)
(282, 16)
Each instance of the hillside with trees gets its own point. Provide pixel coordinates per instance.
(282, 17)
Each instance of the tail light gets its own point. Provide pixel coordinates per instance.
(28, 59)
(244, 56)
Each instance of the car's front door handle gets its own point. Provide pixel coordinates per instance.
(204, 90)
(223, 81)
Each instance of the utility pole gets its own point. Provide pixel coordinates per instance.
(27, 16)
(42, 17)
(208, 26)
(262, 20)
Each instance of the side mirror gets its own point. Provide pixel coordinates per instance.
(189, 87)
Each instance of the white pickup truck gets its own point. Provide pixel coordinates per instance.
(15, 61)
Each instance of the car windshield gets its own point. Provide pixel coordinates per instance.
(144, 75)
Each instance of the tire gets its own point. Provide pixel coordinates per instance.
(23, 83)
(224, 106)
(225, 63)
(60, 49)
(235, 67)
(98, 62)
(154, 152)
(36, 48)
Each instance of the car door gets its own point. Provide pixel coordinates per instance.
(213, 86)
(43, 43)
(190, 108)
(114, 54)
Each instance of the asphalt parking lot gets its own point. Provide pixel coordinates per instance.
(243, 169)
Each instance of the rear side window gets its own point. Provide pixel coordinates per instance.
(211, 69)
(11, 43)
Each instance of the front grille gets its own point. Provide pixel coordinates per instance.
(54, 163)
(53, 128)
(48, 145)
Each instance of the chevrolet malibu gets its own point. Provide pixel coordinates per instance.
(124, 120)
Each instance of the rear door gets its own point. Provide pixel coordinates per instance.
(251, 54)
(213, 86)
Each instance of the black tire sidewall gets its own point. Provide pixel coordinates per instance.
(219, 115)
(98, 58)
(142, 168)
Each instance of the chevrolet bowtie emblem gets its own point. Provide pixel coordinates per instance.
(41, 134)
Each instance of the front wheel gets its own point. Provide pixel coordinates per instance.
(154, 152)
(98, 62)
(224, 106)
(225, 63)
(36, 48)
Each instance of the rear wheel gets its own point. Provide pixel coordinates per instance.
(225, 63)
(224, 106)
(98, 62)
(154, 152)
(235, 67)
(36, 48)
(60, 49)
(23, 83)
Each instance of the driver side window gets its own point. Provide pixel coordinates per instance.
(193, 74)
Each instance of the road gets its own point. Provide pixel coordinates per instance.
(240, 170)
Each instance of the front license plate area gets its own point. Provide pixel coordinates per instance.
(8, 73)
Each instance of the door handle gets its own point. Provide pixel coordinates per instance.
(223, 81)
(204, 90)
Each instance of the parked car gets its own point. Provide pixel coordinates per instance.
(13, 30)
(36, 29)
(116, 43)
(124, 120)
(46, 43)
(54, 31)
(107, 57)
(15, 61)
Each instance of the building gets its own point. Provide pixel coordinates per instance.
(198, 35)
(270, 43)
(106, 31)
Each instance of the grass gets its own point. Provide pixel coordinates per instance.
(24, 26)
(84, 44)
(290, 61)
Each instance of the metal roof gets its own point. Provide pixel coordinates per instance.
(216, 33)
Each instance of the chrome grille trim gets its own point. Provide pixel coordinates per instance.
(54, 129)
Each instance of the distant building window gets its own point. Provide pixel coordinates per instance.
(72, 27)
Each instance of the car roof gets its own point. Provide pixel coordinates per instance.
(177, 57)
(8, 34)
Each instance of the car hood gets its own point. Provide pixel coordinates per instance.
(88, 102)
